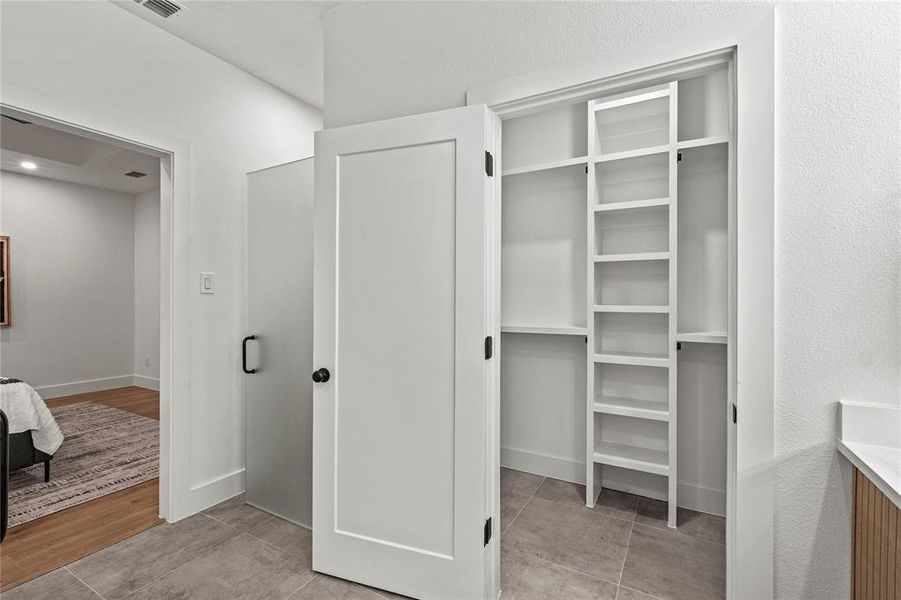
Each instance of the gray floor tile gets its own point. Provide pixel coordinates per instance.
(674, 566)
(242, 568)
(124, 567)
(690, 522)
(610, 502)
(517, 488)
(239, 515)
(575, 538)
(511, 504)
(519, 482)
(291, 538)
(525, 577)
(52, 586)
(324, 587)
(625, 593)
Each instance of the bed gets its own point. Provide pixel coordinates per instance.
(34, 435)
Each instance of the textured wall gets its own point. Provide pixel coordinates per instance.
(838, 172)
(72, 281)
(838, 253)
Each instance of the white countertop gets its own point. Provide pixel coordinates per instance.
(870, 437)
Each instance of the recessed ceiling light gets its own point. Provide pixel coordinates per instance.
(27, 164)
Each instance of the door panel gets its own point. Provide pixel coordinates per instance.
(403, 303)
(382, 381)
(279, 395)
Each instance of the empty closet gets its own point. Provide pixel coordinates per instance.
(615, 291)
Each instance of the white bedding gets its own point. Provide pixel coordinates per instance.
(26, 410)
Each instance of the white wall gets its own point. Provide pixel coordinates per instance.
(839, 166)
(72, 284)
(98, 57)
(147, 289)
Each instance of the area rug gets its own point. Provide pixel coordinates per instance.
(105, 450)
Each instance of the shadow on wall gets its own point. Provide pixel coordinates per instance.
(829, 502)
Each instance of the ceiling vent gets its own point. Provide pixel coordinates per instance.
(136, 174)
(164, 8)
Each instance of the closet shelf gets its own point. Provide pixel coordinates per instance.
(631, 457)
(555, 164)
(631, 407)
(544, 330)
(704, 141)
(625, 101)
(632, 153)
(703, 337)
(630, 308)
(632, 358)
(631, 133)
(600, 258)
(631, 205)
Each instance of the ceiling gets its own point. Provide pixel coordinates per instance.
(75, 159)
(278, 41)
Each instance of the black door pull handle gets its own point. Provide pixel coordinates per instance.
(321, 376)
(244, 355)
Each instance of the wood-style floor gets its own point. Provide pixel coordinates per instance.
(45, 544)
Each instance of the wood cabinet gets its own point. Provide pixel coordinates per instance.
(877, 543)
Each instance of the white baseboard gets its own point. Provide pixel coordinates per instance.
(702, 499)
(209, 493)
(694, 497)
(83, 387)
(543, 464)
(150, 383)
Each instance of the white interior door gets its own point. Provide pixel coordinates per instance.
(279, 393)
(404, 482)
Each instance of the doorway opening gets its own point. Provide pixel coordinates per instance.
(82, 340)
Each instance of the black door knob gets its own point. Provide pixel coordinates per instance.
(321, 376)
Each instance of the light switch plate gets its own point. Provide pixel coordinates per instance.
(207, 282)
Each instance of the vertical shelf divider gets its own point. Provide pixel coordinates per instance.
(672, 440)
(592, 471)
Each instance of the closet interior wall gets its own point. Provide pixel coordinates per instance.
(615, 305)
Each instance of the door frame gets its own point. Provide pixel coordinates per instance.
(749, 44)
(177, 498)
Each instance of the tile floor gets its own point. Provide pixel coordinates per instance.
(553, 547)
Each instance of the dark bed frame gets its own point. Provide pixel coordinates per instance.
(22, 454)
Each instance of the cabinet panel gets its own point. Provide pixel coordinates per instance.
(876, 554)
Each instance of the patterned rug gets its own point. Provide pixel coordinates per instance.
(105, 450)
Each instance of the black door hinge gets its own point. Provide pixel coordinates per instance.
(678, 345)
(678, 157)
(489, 164)
(734, 414)
(487, 531)
(489, 347)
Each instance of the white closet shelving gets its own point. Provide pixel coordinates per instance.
(615, 229)
(544, 330)
(633, 171)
